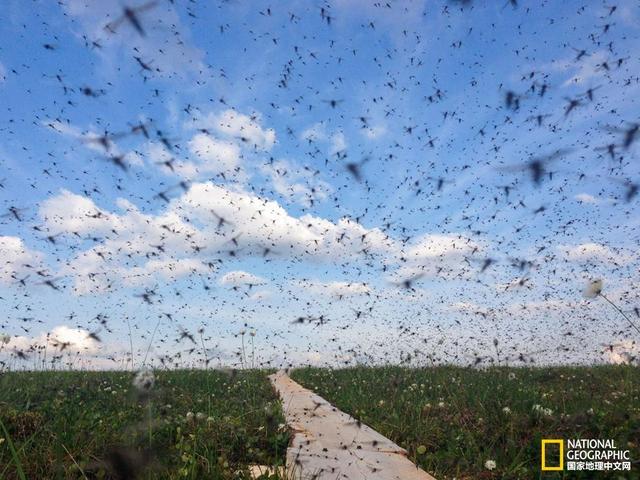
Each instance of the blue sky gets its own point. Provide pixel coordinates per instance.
(260, 109)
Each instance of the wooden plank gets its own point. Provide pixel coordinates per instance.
(328, 444)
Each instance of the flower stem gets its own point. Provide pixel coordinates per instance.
(621, 312)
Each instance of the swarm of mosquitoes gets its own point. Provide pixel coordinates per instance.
(531, 185)
(497, 189)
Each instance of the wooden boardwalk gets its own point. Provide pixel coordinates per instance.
(328, 444)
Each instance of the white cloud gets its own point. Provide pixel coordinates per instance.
(296, 184)
(215, 155)
(68, 212)
(171, 269)
(336, 288)
(211, 155)
(374, 132)
(595, 252)
(314, 133)
(431, 246)
(587, 69)
(68, 129)
(241, 127)
(318, 132)
(264, 224)
(437, 255)
(586, 198)
(338, 143)
(94, 141)
(134, 246)
(239, 278)
(466, 307)
(61, 338)
(261, 295)
(15, 256)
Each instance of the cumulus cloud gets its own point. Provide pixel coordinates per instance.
(466, 307)
(595, 252)
(261, 295)
(433, 246)
(215, 156)
(132, 248)
(129, 246)
(61, 338)
(92, 274)
(437, 255)
(296, 184)
(314, 133)
(241, 127)
(136, 246)
(336, 288)
(586, 198)
(374, 132)
(318, 132)
(266, 227)
(239, 278)
(207, 156)
(338, 143)
(15, 258)
(216, 147)
(95, 141)
(71, 213)
(166, 269)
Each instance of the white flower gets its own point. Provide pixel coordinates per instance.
(189, 416)
(539, 409)
(512, 376)
(506, 411)
(593, 289)
(490, 464)
(144, 380)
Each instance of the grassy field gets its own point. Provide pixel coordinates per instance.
(192, 424)
(210, 424)
(453, 420)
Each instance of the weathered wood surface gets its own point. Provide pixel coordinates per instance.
(328, 444)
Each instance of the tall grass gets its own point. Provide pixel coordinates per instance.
(452, 420)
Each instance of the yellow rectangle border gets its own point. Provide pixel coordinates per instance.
(545, 442)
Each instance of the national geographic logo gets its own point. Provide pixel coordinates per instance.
(582, 455)
(543, 454)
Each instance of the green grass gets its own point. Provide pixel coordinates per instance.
(457, 415)
(67, 425)
(62, 425)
